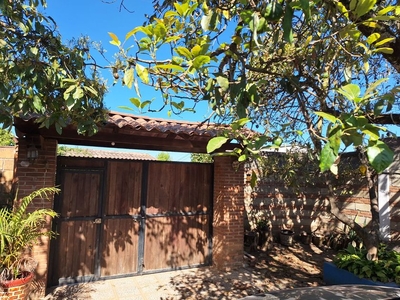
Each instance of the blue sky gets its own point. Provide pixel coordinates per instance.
(95, 18)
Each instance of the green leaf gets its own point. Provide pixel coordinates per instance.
(171, 67)
(305, 6)
(79, 93)
(34, 50)
(135, 101)
(128, 77)
(350, 91)
(172, 39)
(361, 7)
(216, 143)
(328, 157)
(178, 105)
(242, 158)
(372, 131)
(160, 31)
(144, 104)
(380, 156)
(246, 16)
(196, 50)
(384, 41)
(326, 116)
(37, 103)
(70, 102)
(209, 21)
(342, 9)
(378, 107)
(183, 51)
(278, 141)
(142, 73)
(361, 121)
(200, 61)
(373, 38)
(335, 138)
(385, 10)
(223, 82)
(181, 8)
(68, 91)
(239, 123)
(373, 87)
(383, 50)
(287, 24)
(114, 39)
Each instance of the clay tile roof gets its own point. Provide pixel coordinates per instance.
(162, 125)
(95, 153)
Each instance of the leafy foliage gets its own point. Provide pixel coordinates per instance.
(201, 158)
(295, 71)
(386, 269)
(62, 150)
(20, 230)
(164, 156)
(6, 138)
(41, 76)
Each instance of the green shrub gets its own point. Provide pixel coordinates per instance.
(20, 231)
(354, 259)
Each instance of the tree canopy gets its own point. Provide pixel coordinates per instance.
(6, 138)
(41, 76)
(164, 156)
(296, 71)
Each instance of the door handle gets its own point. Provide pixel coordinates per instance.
(97, 221)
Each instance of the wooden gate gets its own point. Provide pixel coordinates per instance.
(121, 218)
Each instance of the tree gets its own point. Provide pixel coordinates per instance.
(43, 77)
(308, 73)
(164, 156)
(6, 138)
(201, 158)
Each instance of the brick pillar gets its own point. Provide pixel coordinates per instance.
(40, 173)
(228, 219)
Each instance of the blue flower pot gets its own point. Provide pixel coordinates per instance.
(334, 276)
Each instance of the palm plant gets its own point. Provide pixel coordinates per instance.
(20, 231)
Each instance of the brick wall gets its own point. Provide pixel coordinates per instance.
(8, 155)
(228, 214)
(39, 173)
(306, 211)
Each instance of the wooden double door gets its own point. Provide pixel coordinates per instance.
(121, 218)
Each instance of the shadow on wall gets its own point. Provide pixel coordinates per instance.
(305, 213)
(8, 189)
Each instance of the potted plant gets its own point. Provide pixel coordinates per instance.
(19, 232)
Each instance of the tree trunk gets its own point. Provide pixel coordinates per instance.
(369, 235)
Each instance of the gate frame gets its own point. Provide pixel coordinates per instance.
(138, 133)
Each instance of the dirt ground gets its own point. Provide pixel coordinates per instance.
(280, 268)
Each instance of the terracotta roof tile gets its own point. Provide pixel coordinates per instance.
(95, 153)
(162, 125)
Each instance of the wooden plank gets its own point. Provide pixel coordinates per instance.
(78, 162)
(124, 188)
(80, 193)
(176, 187)
(175, 242)
(120, 247)
(76, 250)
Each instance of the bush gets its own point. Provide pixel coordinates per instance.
(354, 259)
